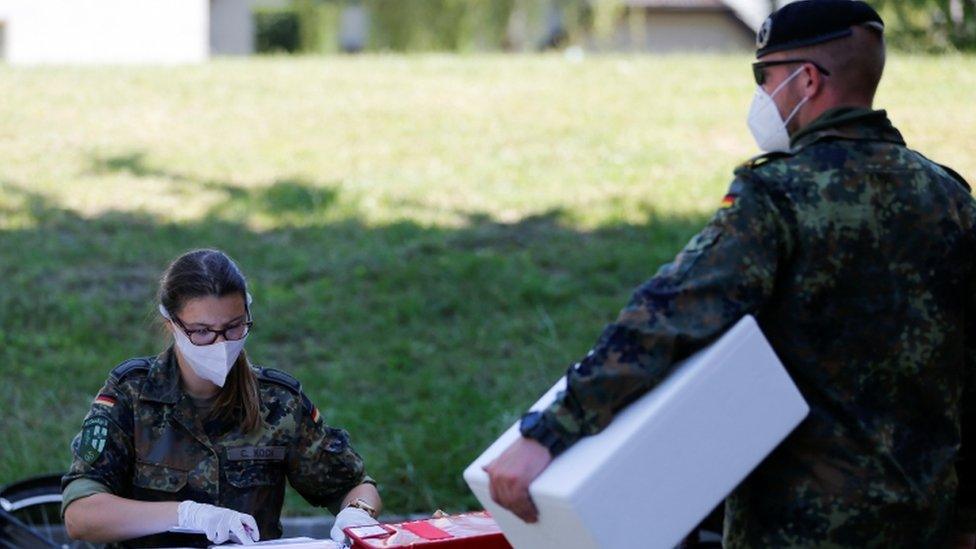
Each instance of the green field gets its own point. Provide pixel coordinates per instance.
(430, 241)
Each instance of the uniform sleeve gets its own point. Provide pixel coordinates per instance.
(725, 272)
(966, 463)
(102, 451)
(322, 465)
(80, 488)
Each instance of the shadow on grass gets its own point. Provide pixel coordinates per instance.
(424, 342)
(290, 195)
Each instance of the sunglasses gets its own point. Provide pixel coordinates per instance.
(759, 68)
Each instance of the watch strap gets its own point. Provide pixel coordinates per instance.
(535, 425)
(360, 503)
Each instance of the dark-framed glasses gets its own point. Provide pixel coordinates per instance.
(206, 336)
(759, 68)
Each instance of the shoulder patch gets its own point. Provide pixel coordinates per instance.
(129, 366)
(94, 434)
(288, 381)
(106, 400)
(762, 159)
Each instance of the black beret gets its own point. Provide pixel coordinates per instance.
(810, 22)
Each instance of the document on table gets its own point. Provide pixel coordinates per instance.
(288, 543)
(283, 543)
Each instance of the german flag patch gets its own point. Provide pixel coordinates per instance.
(105, 400)
(729, 200)
(315, 414)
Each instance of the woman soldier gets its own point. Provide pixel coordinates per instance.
(198, 439)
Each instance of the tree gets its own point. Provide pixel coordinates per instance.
(931, 24)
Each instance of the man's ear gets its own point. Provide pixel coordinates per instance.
(812, 80)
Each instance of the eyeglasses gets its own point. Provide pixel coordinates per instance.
(759, 68)
(206, 336)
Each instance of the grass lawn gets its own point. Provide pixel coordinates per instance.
(430, 240)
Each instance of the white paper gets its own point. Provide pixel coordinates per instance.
(282, 543)
(183, 530)
(369, 530)
(288, 543)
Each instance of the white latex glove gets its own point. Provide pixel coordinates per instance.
(350, 516)
(219, 523)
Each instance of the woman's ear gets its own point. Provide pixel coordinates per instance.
(166, 319)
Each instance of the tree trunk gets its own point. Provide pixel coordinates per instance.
(952, 25)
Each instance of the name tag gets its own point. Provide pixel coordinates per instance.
(267, 453)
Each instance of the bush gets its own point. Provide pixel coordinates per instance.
(276, 30)
(929, 25)
(312, 26)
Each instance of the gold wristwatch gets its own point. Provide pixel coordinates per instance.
(360, 503)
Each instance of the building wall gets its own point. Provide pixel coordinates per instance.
(231, 27)
(670, 31)
(753, 12)
(105, 31)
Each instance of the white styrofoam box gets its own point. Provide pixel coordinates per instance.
(666, 460)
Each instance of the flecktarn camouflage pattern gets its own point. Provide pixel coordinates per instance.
(856, 255)
(144, 439)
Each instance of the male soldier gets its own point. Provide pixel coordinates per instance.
(857, 256)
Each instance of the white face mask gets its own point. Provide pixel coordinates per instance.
(211, 362)
(767, 126)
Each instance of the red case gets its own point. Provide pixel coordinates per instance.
(467, 531)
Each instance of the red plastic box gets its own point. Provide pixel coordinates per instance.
(467, 531)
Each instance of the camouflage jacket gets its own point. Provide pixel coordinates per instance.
(143, 439)
(856, 255)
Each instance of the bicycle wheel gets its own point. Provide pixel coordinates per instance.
(30, 515)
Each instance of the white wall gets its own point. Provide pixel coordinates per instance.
(105, 31)
(269, 3)
(707, 32)
(754, 12)
(667, 31)
(231, 27)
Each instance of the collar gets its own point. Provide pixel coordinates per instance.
(855, 123)
(163, 380)
(163, 385)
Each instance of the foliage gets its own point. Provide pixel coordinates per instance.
(455, 25)
(405, 25)
(276, 30)
(318, 25)
(429, 240)
(930, 25)
(479, 25)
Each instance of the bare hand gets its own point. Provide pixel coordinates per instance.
(511, 473)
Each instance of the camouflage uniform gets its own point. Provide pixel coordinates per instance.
(144, 439)
(856, 255)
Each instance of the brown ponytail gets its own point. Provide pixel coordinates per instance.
(238, 400)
